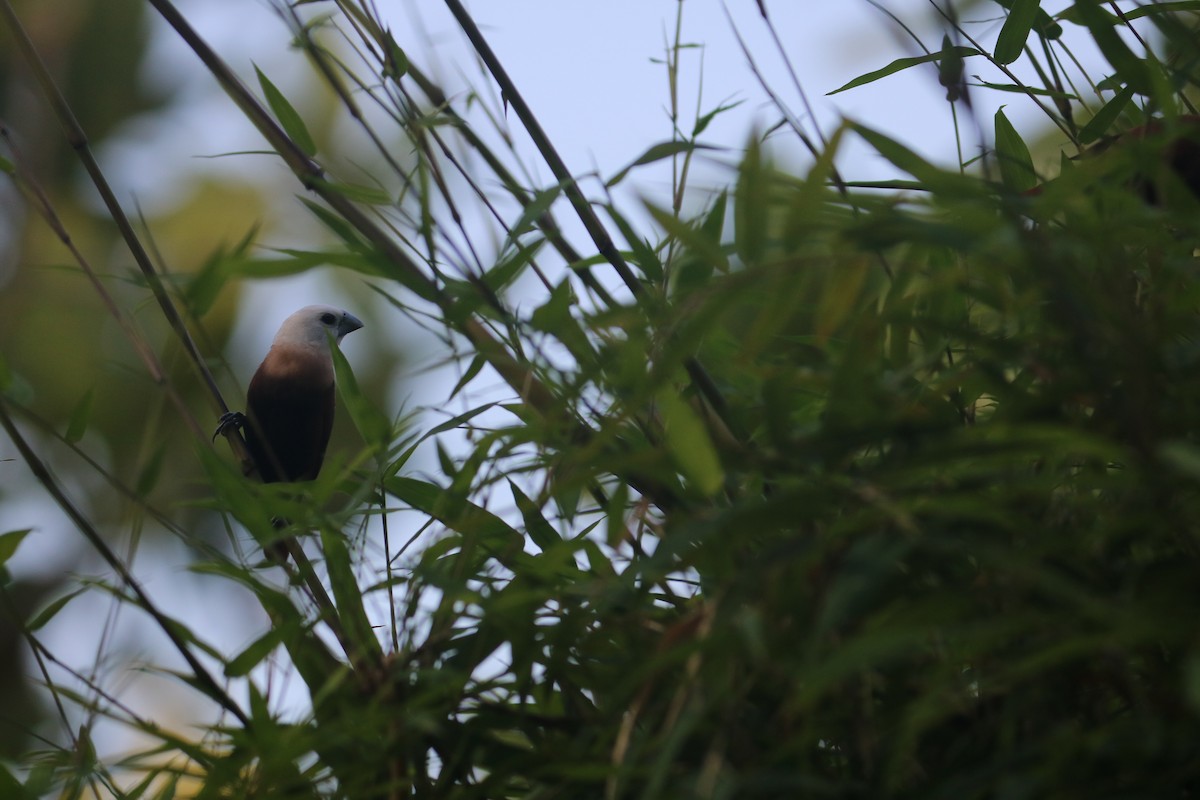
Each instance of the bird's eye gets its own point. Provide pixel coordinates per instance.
(328, 319)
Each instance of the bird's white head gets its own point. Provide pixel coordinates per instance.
(312, 326)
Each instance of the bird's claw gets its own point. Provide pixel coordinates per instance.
(230, 419)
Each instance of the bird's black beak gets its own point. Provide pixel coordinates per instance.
(347, 324)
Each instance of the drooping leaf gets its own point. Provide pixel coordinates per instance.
(901, 64)
(372, 425)
(1021, 17)
(287, 116)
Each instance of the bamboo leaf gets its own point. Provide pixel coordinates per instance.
(1011, 41)
(1134, 71)
(372, 424)
(1016, 165)
(689, 444)
(658, 152)
(540, 531)
(901, 64)
(1098, 125)
(51, 611)
(287, 116)
(9, 542)
(80, 417)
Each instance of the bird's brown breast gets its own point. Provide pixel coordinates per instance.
(290, 414)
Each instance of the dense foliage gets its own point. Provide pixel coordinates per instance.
(843, 490)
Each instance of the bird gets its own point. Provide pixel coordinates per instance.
(289, 405)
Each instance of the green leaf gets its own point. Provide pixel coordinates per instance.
(349, 598)
(641, 253)
(254, 653)
(1182, 456)
(1011, 41)
(1163, 8)
(456, 513)
(371, 195)
(540, 531)
(49, 612)
(1025, 90)
(533, 211)
(374, 427)
(9, 542)
(931, 178)
(658, 152)
(901, 64)
(395, 64)
(1098, 125)
(205, 285)
(1133, 70)
(703, 121)
(839, 294)
(80, 417)
(477, 364)
(618, 504)
(10, 787)
(342, 229)
(689, 444)
(555, 318)
(751, 201)
(1016, 165)
(509, 269)
(950, 71)
(1045, 25)
(288, 119)
(148, 476)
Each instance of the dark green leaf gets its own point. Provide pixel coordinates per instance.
(371, 195)
(9, 543)
(374, 427)
(287, 116)
(540, 531)
(1021, 17)
(658, 152)
(1016, 165)
(689, 443)
(900, 64)
(1098, 125)
(147, 478)
(1133, 70)
(49, 612)
(80, 417)
(395, 64)
(477, 364)
(254, 653)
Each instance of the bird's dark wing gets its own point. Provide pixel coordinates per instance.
(289, 419)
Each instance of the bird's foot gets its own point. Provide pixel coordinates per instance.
(229, 420)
